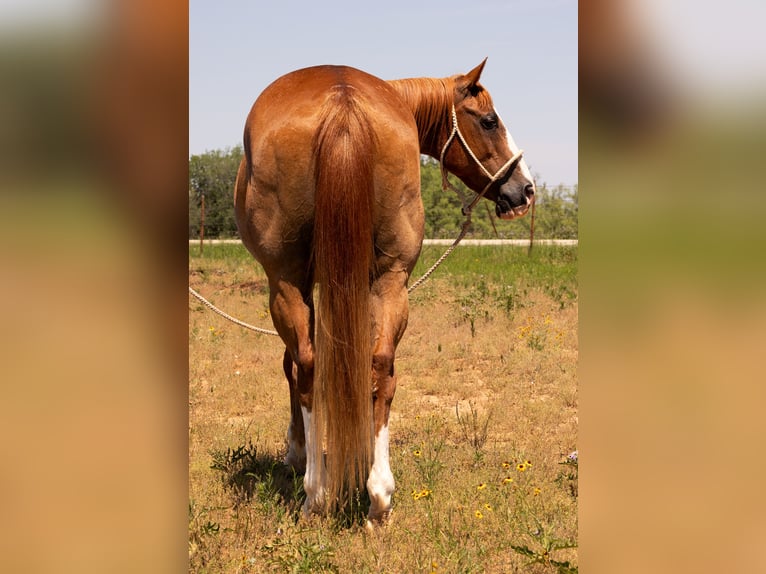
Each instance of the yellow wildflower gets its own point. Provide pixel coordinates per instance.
(478, 514)
(417, 495)
(481, 486)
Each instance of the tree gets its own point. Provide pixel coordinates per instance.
(213, 174)
(443, 217)
(555, 211)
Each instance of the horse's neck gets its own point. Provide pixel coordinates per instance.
(430, 100)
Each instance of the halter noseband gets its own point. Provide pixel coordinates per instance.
(511, 163)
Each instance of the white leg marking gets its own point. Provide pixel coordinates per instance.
(296, 453)
(380, 484)
(312, 485)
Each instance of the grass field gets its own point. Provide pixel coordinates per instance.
(483, 421)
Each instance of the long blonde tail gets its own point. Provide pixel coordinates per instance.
(343, 256)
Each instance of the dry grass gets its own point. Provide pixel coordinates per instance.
(487, 381)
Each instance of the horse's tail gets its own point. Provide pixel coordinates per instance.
(343, 256)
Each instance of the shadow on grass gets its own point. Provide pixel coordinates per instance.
(262, 478)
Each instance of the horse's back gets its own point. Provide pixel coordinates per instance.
(299, 94)
(275, 194)
(284, 119)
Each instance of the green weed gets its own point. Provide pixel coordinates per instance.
(474, 429)
(302, 552)
(427, 457)
(262, 478)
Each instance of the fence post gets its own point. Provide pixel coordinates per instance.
(201, 224)
(531, 227)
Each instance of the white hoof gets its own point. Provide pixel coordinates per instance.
(375, 524)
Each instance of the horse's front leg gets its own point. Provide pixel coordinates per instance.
(389, 320)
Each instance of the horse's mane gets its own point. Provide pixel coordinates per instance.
(430, 100)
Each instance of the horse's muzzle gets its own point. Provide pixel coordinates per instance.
(505, 208)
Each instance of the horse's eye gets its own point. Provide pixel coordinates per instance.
(489, 122)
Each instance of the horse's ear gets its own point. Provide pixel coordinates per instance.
(467, 83)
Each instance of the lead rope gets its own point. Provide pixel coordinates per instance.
(467, 210)
(215, 309)
(427, 274)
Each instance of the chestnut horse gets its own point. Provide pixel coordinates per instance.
(328, 196)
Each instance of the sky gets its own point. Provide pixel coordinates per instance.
(238, 47)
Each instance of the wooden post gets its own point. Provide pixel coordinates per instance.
(531, 227)
(201, 224)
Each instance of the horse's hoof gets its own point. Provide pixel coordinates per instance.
(374, 524)
(309, 513)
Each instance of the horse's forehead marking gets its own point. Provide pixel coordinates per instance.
(515, 149)
(508, 137)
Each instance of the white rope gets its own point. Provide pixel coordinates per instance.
(427, 274)
(215, 309)
(411, 288)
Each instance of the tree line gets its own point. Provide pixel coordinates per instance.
(212, 174)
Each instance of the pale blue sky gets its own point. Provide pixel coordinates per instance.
(238, 47)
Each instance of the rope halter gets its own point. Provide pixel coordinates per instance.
(506, 167)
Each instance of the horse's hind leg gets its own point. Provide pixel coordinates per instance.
(293, 314)
(296, 436)
(390, 312)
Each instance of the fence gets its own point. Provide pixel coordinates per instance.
(517, 242)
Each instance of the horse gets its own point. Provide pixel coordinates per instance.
(327, 200)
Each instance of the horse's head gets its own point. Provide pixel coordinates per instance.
(481, 151)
